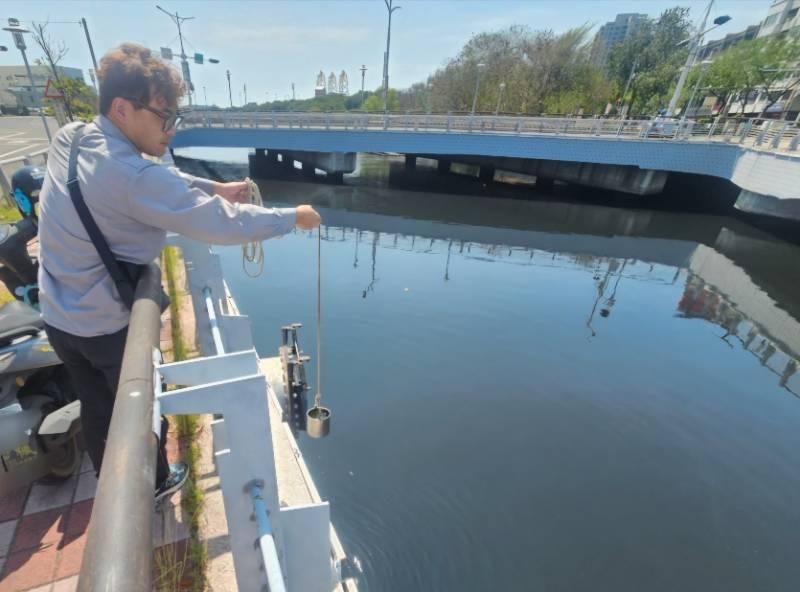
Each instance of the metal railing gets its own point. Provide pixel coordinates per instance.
(275, 546)
(119, 546)
(765, 134)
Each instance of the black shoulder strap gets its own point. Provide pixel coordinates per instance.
(123, 283)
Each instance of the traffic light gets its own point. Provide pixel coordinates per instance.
(166, 53)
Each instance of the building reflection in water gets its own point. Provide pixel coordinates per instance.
(701, 300)
(716, 288)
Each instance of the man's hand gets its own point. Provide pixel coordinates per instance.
(234, 192)
(306, 218)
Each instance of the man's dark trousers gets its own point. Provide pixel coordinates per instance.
(94, 365)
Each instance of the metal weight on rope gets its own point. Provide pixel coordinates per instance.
(318, 418)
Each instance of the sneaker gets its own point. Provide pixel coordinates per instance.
(178, 473)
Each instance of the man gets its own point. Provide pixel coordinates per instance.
(133, 201)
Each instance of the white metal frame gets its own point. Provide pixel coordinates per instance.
(273, 547)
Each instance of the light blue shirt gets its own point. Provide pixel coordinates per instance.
(134, 202)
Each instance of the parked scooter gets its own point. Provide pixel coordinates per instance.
(39, 413)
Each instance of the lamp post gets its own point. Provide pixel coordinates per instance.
(230, 95)
(477, 87)
(178, 20)
(17, 32)
(694, 45)
(391, 10)
(363, 72)
(499, 98)
(704, 65)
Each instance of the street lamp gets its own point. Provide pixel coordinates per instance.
(391, 10)
(17, 32)
(363, 72)
(481, 66)
(499, 98)
(694, 42)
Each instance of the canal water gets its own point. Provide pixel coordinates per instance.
(541, 395)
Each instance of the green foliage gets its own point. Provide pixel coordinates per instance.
(81, 97)
(373, 103)
(541, 71)
(751, 67)
(656, 50)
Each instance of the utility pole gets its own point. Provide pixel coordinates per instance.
(230, 95)
(178, 20)
(694, 44)
(244, 86)
(477, 87)
(391, 10)
(292, 91)
(89, 41)
(16, 32)
(205, 96)
(499, 98)
(363, 72)
(628, 85)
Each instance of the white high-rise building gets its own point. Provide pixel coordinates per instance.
(783, 16)
(613, 33)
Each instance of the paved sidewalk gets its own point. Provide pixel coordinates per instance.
(43, 530)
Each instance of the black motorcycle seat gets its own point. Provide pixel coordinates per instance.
(17, 319)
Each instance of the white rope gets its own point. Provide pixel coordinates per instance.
(253, 253)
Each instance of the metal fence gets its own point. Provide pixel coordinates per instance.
(766, 134)
(119, 546)
(275, 546)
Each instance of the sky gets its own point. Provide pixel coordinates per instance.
(269, 44)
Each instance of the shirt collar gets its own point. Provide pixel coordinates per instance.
(109, 128)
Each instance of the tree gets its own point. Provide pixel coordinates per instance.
(54, 52)
(756, 67)
(373, 103)
(657, 49)
(541, 71)
(82, 98)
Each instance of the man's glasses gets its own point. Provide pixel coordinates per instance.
(171, 119)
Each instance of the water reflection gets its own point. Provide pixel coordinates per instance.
(702, 300)
(539, 395)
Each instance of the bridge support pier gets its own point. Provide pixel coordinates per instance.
(545, 184)
(486, 173)
(263, 164)
(411, 162)
(443, 166)
(335, 164)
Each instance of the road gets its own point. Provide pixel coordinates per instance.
(23, 135)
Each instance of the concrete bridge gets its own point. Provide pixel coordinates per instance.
(755, 162)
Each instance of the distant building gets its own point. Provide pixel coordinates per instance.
(319, 89)
(782, 17)
(713, 48)
(14, 82)
(614, 33)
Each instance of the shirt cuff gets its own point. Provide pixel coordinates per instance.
(288, 219)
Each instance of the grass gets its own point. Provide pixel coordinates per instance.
(173, 568)
(8, 213)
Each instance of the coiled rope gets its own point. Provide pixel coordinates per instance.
(253, 252)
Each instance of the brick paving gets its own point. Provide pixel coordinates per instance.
(43, 530)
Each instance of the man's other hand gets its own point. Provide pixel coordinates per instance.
(234, 192)
(306, 218)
